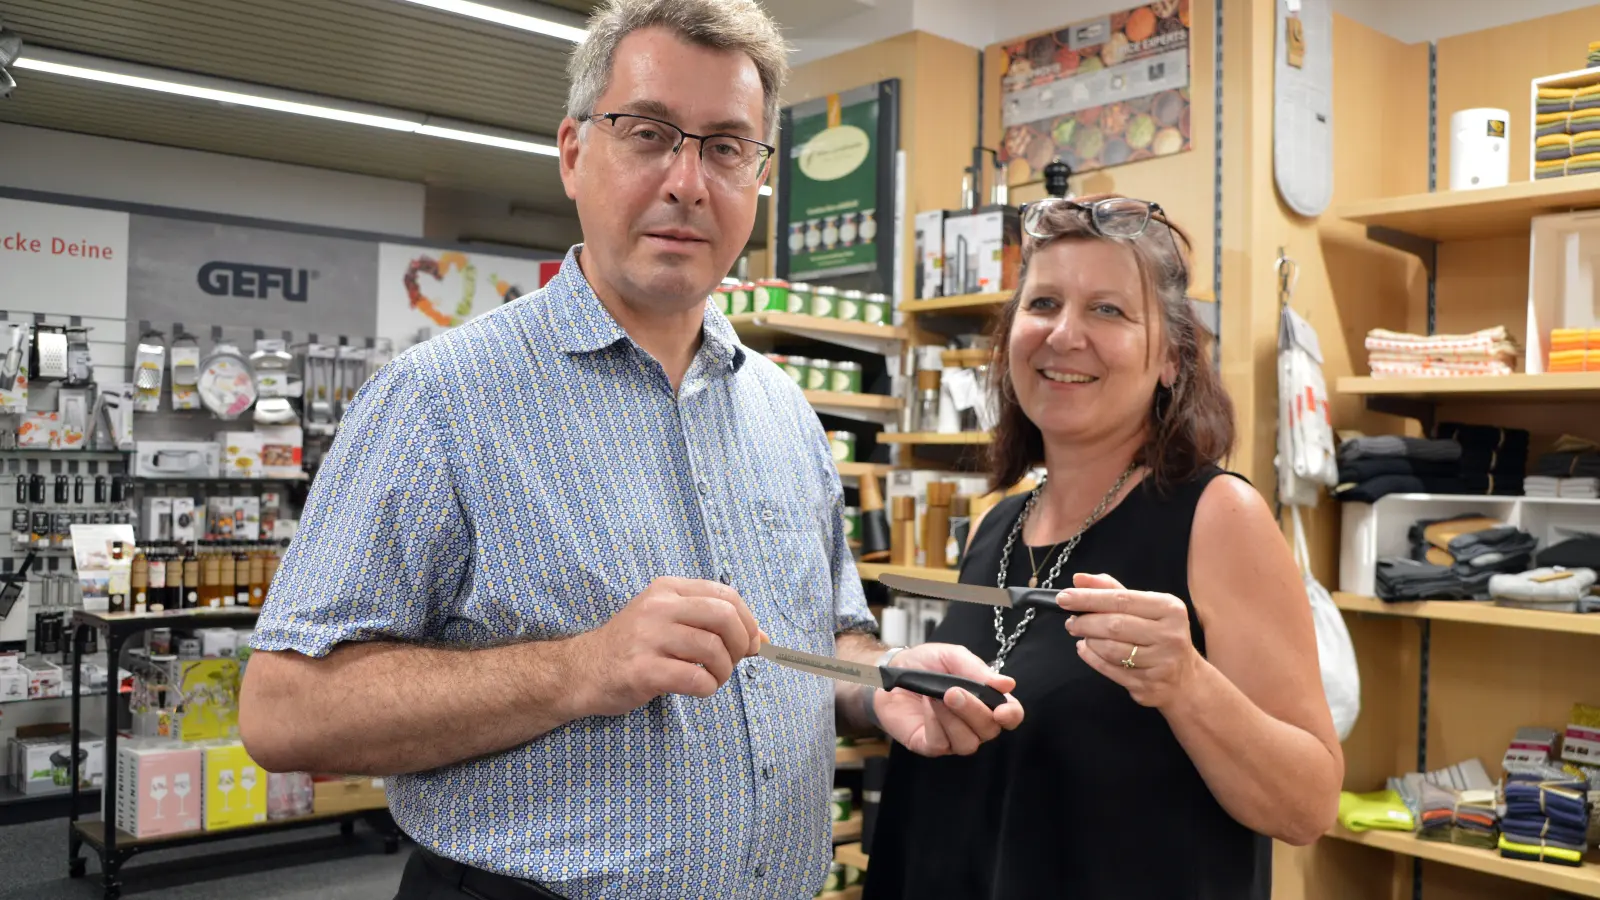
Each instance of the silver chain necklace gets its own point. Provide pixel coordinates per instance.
(1006, 643)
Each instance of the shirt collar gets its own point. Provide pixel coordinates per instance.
(580, 323)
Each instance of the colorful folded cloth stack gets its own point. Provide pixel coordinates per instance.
(1381, 810)
(1399, 354)
(1493, 459)
(1551, 588)
(1580, 164)
(1552, 100)
(1374, 467)
(1574, 350)
(1571, 458)
(1546, 816)
(1594, 54)
(1470, 817)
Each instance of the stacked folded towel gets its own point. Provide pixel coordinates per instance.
(1594, 54)
(1553, 100)
(1374, 467)
(1581, 122)
(1382, 810)
(1546, 816)
(1573, 488)
(1573, 165)
(1574, 551)
(1454, 559)
(1399, 354)
(1493, 460)
(1467, 817)
(1551, 588)
(1574, 350)
(1571, 457)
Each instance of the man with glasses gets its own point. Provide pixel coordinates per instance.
(535, 569)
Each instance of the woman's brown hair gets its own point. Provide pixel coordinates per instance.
(1191, 423)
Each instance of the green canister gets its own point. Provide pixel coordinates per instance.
(797, 368)
(849, 305)
(835, 880)
(741, 298)
(772, 295)
(799, 298)
(825, 302)
(845, 378)
(852, 523)
(844, 446)
(820, 377)
(875, 309)
(841, 804)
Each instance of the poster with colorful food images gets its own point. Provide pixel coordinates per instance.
(1098, 93)
(423, 291)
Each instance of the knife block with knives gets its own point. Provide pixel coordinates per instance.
(874, 521)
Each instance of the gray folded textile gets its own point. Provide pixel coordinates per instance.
(1395, 445)
(1533, 588)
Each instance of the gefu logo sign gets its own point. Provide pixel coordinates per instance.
(236, 279)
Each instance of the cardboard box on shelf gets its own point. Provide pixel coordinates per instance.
(158, 789)
(39, 757)
(209, 689)
(281, 448)
(235, 787)
(241, 454)
(353, 794)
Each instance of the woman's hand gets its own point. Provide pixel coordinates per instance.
(958, 723)
(1138, 639)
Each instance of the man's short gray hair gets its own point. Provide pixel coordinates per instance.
(738, 25)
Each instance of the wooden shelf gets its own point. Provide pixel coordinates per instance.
(1475, 612)
(94, 832)
(1576, 387)
(850, 893)
(871, 571)
(1485, 213)
(859, 469)
(854, 401)
(968, 302)
(850, 855)
(849, 829)
(851, 757)
(1583, 880)
(933, 437)
(764, 328)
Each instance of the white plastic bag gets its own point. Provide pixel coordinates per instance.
(1306, 455)
(1341, 677)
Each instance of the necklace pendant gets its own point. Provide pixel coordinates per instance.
(1033, 581)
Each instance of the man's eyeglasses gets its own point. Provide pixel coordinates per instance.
(1117, 217)
(737, 162)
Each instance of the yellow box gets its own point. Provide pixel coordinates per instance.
(209, 694)
(236, 788)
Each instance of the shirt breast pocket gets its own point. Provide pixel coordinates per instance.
(794, 557)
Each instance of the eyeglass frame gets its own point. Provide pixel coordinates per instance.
(1153, 210)
(702, 138)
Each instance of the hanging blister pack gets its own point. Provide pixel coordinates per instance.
(14, 370)
(352, 375)
(274, 367)
(149, 371)
(321, 360)
(50, 353)
(185, 370)
(227, 385)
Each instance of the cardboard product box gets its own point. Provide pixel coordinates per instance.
(157, 522)
(281, 449)
(1581, 742)
(234, 518)
(235, 787)
(45, 679)
(39, 431)
(210, 692)
(159, 789)
(353, 794)
(39, 762)
(185, 528)
(997, 231)
(960, 254)
(177, 459)
(930, 254)
(217, 643)
(13, 686)
(241, 454)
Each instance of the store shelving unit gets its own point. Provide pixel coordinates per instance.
(979, 304)
(934, 438)
(849, 829)
(114, 846)
(1474, 612)
(763, 328)
(878, 408)
(1418, 224)
(1584, 881)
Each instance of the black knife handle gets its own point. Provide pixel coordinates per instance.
(934, 684)
(1041, 598)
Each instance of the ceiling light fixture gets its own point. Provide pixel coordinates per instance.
(221, 90)
(501, 16)
(766, 190)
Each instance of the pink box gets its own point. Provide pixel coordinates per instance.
(160, 790)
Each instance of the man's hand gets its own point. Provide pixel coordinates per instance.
(959, 724)
(679, 636)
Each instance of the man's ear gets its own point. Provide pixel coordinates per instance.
(568, 143)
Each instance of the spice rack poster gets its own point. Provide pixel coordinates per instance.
(836, 185)
(423, 291)
(1097, 93)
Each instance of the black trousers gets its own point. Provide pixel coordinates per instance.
(432, 877)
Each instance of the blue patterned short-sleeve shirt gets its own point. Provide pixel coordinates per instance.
(523, 476)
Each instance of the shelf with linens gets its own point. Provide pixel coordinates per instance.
(1475, 612)
(1505, 211)
(874, 571)
(1582, 881)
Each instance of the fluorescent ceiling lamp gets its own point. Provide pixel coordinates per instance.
(501, 16)
(221, 90)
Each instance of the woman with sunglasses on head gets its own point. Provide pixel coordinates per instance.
(1176, 720)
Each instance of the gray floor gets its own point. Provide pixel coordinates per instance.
(309, 864)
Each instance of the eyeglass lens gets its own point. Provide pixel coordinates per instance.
(731, 159)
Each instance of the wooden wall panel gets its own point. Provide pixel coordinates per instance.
(1494, 67)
